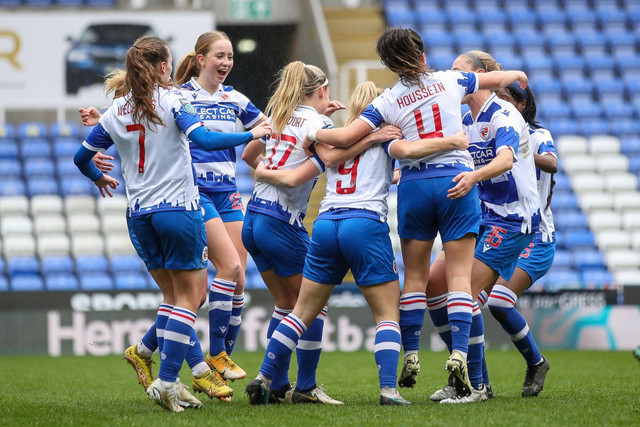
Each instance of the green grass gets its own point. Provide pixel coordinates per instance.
(582, 388)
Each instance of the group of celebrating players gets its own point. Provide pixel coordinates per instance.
(482, 181)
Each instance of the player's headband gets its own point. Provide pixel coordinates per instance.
(521, 92)
(326, 83)
(476, 61)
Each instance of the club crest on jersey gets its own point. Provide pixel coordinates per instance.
(484, 132)
(486, 247)
(187, 106)
(205, 254)
(224, 96)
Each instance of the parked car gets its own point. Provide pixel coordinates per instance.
(100, 49)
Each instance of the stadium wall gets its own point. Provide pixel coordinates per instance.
(107, 323)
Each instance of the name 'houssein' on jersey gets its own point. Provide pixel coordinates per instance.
(156, 163)
(432, 110)
(360, 185)
(285, 151)
(542, 143)
(216, 170)
(509, 200)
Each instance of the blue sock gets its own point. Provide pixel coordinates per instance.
(308, 352)
(437, 308)
(412, 308)
(177, 336)
(234, 323)
(195, 357)
(280, 380)
(459, 309)
(281, 345)
(476, 348)
(502, 303)
(485, 370)
(220, 303)
(387, 352)
(164, 311)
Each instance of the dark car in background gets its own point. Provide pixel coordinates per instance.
(100, 49)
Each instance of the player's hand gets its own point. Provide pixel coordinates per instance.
(333, 107)
(386, 133)
(90, 116)
(263, 129)
(105, 184)
(308, 146)
(460, 140)
(522, 79)
(100, 161)
(465, 182)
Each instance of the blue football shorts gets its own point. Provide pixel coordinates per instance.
(500, 248)
(221, 204)
(536, 259)
(360, 244)
(275, 244)
(424, 210)
(175, 240)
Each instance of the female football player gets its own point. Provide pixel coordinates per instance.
(148, 122)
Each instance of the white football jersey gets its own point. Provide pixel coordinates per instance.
(156, 163)
(216, 170)
(542, 144)
(361, 183)
(427, 111)
(509, 200)
(286, 152)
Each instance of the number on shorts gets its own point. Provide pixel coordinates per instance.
(236, 201)
(141, 136)
(437, 122)
(353, 174)
(527, 251)
(495, 238)
(286, 154)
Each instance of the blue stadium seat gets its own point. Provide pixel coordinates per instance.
(528, 39)
(32, 130)
(536, 62)
(85, 131)
(460, 16)
(518, 12)
(596, 278)
(41, 166)
(590, 38)
(570, 220)
(611, 16)
(126, 264)
(615, 107)
(566, 63)
(550, 15)
(69, 3)
(398, 14)
(588, 259)
(609, 86)
(634, 163)
(76, 185)
(2, 265)
(492, 18)
(468, 39)
(130, 281)
(630, 145)
(559, 39)
(96, 282)
(245, 184)
(579, 239)
(619, 38)
(559, 127)
(12, 187)
(39, 185)
(585, 110)
(4, 283)
(26, 283)
(437, 38)
(510, 62)
(64, 129)
(61, 282)
(10, 169)
(563, 279)
(66, 146)
(426, 14)
(66, 167)
(8, 149)
(628, 62)
(563, 259)
(624, 126)
(7, 131)
(35, 147)
(599, 62)
(22, 265)
(590, 127)
(574, 86)
(563, 186)
(39, 3)
(577, 16)
(56, 265)
(91, 264)
(101, 3)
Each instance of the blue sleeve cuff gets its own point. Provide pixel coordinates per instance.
(83, 160)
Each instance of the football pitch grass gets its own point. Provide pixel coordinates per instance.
(582, 388)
